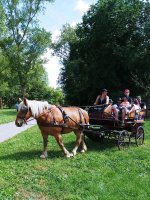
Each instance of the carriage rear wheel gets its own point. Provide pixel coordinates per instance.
(123, 139)
(139, 137)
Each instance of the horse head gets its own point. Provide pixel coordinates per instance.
(29, 108)
(24, 113)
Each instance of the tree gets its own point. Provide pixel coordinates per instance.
(111, 44)
(37, 88)
(62, 46)
(24, 43)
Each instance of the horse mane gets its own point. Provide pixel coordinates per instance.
(37, 107)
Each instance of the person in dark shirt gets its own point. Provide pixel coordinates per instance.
(17, 104)
(110, 101)
(127, 95)
(102, 100)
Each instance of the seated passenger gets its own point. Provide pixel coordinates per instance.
(126, 107)
(136, 108)
(102, 100)
(122, 106)
(116, 108)
(109, 109)
(110, 102)
(127, 95)
(142, 104)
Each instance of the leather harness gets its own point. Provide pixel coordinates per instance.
(65, 119)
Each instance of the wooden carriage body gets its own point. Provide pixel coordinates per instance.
(103, 125)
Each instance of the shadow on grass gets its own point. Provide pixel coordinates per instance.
(104, 145)
(31, 155)
(96, 146)
(101, 145)
(53, 154)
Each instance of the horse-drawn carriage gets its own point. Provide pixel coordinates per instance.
(55, 121)
(103, 125)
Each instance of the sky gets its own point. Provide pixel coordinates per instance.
(57, 14)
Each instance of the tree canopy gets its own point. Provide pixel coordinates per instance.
(22, 44)
(110, 49)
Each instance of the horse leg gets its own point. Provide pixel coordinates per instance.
(45, 141)
(84, 147)
(78, 141)
(58, 138)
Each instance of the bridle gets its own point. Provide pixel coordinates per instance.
(25, 110)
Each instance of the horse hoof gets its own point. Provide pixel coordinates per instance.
(72, 154)
(68, 156)
(43, 156)
(83, 150)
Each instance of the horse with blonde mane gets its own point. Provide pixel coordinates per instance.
(55, 121)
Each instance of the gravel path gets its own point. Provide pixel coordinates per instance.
(10, 129)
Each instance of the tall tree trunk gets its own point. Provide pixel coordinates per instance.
(22, 84)
(23, 91)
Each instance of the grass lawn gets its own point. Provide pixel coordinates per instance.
(103, 173)
(7, 115)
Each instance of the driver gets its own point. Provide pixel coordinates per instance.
(102, 100)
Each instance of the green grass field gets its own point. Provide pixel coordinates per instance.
(7, 115)
(103, 173)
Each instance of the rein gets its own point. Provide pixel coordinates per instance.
(96, 106)
(26, 121)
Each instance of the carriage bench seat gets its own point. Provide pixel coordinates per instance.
(137, 115)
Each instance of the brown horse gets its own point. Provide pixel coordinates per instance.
(53, 120)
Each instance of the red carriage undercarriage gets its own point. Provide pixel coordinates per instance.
(103, 125)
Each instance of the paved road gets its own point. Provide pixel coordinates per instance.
(10, 129)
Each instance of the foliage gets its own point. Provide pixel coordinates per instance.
(53, 96)
(23, 42)
(143, 82)
(111, 44)
(62, 45)
(102, 173)
(38, 91)
(7, 115)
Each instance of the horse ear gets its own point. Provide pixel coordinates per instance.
(20, 100)
(25, 101)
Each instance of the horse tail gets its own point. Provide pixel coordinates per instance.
(81, 113)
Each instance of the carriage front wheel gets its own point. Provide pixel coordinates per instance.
(123, 139)
(139, 137)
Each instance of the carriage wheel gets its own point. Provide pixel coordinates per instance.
(123, 139)
(139, 137)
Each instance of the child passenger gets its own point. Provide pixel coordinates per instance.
(123, 106)
(126, 107)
